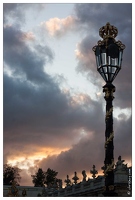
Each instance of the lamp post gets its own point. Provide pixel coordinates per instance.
(108, 53)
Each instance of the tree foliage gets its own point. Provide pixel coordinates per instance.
(10, 174)
(38, 178)
(48, 178)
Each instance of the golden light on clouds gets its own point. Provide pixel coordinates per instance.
(79, 54)
(86, 56)
(80, 99)
(66, 91)
(57, 25)
(128, 162)
(28, 36)
(98, 93)
(26, 161)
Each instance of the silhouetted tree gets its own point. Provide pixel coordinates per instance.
(38, 178)
(10, 174)
(50, 177)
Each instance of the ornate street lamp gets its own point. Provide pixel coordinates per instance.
(108, 53)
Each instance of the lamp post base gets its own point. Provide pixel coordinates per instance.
(110, 194)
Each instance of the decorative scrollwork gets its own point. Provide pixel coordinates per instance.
(101, 42)
(122, 46)
(108, 31)
(109, 139)
(108, 113)
(94, 172)
(67, 181)
(94, 48)
(75, 178)
(109, 168)
(84, 175)
(109, 92)
(119, 43)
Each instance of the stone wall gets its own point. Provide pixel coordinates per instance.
(30, 191)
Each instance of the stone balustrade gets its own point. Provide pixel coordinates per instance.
(91, 187)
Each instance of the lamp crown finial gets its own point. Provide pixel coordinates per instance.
(108, 31)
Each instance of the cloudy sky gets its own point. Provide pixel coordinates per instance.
(54, 107)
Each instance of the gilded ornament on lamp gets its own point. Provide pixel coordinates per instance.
(108, 113)
(109, 92)
(109, 139)
(109, 167)
(106, 32)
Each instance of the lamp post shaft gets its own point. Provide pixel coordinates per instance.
(109, 89)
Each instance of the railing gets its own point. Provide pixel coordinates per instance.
(83, 187)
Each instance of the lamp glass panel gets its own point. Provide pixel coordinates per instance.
(103, 56)
(111, 77)
(114, 61)
(106, 76)
(109, 69)
(99, 58)
(114, 69)
(120, 58)
(105, 69)
(100, 70)
(103, 76)
(109, 60)
(98, 61)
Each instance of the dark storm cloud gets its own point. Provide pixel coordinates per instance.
(123, 137)
(100, 13)
(33, 102)
(45, 113)
(17, 11)
(76, 159)
(94, 16)
(21, 59)
(12, 10)
(27, 109)
(88, 151)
